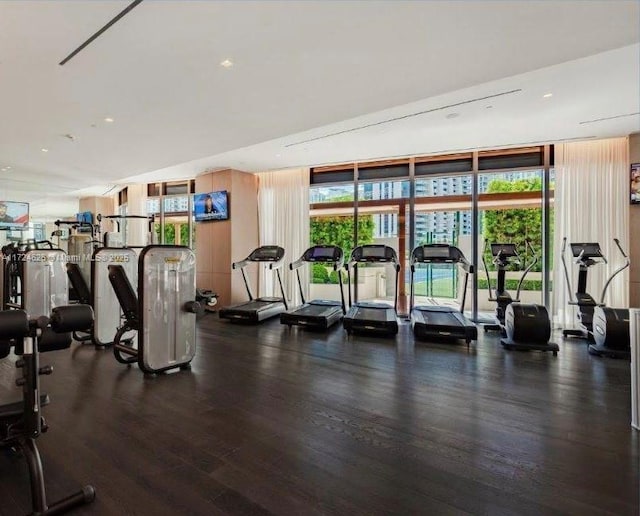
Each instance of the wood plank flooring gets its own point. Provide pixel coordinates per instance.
(272, 421)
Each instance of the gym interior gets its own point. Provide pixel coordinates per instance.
(322, 258)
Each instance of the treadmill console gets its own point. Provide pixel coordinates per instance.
(323, 253)
(373, 253)
(437, 253)
(504, 250)
(586, 250)
(267, 253)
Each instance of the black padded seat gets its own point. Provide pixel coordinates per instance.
(79, 284)
(126, 295)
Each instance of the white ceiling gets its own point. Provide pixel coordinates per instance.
(302, 70)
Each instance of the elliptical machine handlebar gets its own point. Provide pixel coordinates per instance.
(566, 271)
(536, 257)
(625, 265)
(486, 269)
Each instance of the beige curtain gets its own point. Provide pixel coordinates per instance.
(283, 212)
(591, 205)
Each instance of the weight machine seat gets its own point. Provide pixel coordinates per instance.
(78, 283)
(126, 295)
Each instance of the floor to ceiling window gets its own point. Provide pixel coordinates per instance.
(510, 206)
(409, 202)
(332, 223)
(383, 204)
(443, 214)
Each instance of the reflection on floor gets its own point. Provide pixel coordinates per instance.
(291, 422)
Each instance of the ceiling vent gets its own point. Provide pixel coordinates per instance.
(608, 118)
(404, 117)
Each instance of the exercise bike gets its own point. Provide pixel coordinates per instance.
(523, 326)
(607, 329)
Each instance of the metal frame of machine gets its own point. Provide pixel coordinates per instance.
(441, 321)
(372, 317)
(606, 328)
(262, 308)
(163, 312)
(319, 313)
(524, 326)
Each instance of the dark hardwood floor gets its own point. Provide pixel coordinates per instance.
(277, 422)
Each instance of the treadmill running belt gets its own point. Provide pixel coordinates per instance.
(442, 318)
(317, 310)
(256, 305)
(371, 314)
(438, 321)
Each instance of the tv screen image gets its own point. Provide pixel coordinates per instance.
(211, 206)
(85, 217)
(635, 183)
(14, 215)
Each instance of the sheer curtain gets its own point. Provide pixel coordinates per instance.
(591, 205)
(283, 212)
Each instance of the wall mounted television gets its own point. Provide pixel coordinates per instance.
(14, 215)
(635, 183)
(85, 217)
(211, 206)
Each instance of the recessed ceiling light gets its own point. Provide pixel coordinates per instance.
(44, 150)
(547, 95)
(227, 63)
(108, 119)
(7, 167)
(453, 115)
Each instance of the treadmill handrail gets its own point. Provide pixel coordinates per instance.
(297, 264)
(393, 259)
(284, 297)
(460, 261)
(272, 266)
(626, 264)
(241, 264)
(338, 265)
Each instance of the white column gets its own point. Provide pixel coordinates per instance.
(137, 229)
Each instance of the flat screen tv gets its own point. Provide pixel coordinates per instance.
(635, 183)
(85, 217)
(14, 215)
(211, 206)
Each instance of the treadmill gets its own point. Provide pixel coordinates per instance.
(372, 317)
(429, 321)
(258, 309)
(319, 314)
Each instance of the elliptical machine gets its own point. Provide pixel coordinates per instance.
(523, 326)
(607, 329)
